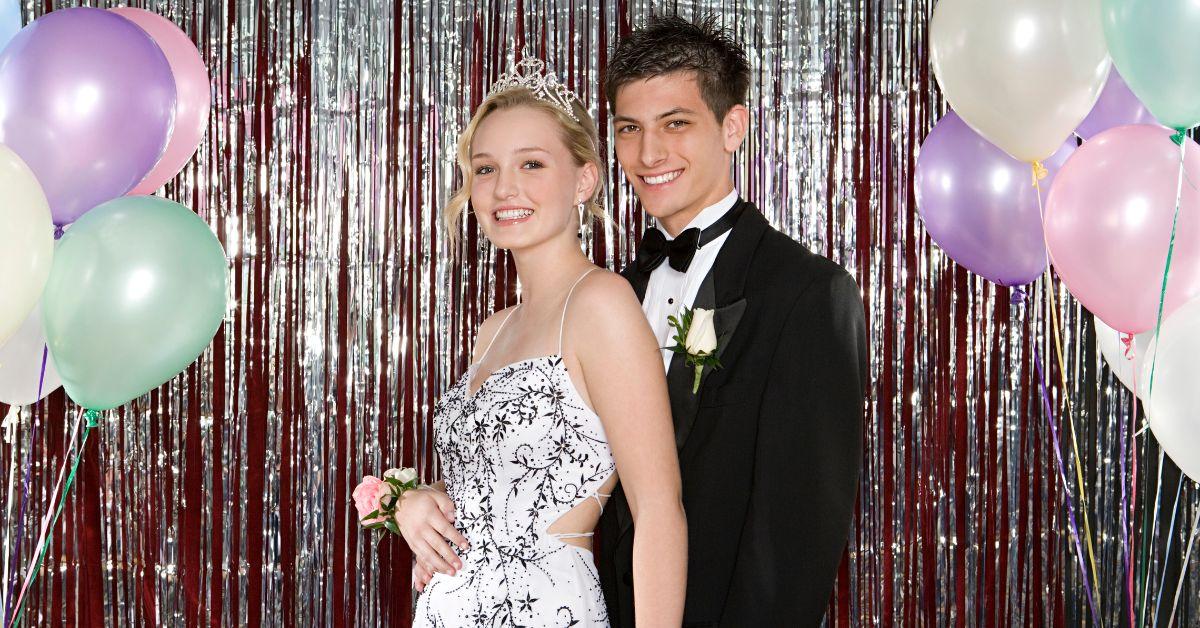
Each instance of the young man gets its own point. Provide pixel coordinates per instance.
(770, 443)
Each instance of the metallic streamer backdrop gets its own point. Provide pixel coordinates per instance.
(222, 498)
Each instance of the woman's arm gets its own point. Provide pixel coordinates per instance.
(623, 373)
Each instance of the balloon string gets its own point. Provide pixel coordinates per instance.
(1072, 526)
(1039, 173)
(1129, 499)
(12, 563)
(1178, 138)
(56, 506)
(1162, 582)
(1183, 571)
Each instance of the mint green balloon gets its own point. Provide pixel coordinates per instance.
(136, 292)
(1155, 44)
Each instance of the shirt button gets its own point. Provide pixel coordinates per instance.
(670, 301)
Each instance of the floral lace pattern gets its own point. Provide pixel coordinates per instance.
(516, 455)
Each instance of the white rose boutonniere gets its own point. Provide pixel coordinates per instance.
(696, 338)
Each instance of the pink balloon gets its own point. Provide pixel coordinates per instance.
(192, 95)
(1108, 225)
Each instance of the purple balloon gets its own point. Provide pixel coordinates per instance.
(87, 100)
(979, 204)
(1117, 106)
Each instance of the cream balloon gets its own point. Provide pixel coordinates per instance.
(1171, 405)
(1124, 360)
(26, 241)
(1023, 73)
(22, 360)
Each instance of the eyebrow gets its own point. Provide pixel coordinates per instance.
(673, 112)
(527, 149)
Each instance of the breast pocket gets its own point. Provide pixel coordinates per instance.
(730, 393)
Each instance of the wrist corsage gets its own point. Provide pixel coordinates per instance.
(376, 499)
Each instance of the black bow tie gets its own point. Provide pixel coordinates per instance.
(655, 247)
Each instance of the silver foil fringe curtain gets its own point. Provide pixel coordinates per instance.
(222, 498)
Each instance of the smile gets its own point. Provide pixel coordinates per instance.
(662, 178)
(509, 214)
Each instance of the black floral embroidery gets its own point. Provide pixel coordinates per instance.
(516, 455)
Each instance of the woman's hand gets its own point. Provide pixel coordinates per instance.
(425, 517)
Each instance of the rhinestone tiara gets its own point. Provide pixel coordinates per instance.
(530, 73)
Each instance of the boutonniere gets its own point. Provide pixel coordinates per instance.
(376, 499)
(696, 338)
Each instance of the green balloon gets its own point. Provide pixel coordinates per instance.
(135, 294)
(1155, 44)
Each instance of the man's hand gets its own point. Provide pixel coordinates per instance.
(420, 577)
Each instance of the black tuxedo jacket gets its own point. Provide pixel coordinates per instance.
(770, 447)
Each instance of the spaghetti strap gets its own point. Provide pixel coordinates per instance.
(497, 334)
(566, 302)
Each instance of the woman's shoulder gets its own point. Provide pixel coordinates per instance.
(605, 303)
(488, 329)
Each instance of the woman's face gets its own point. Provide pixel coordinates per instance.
(526, 186)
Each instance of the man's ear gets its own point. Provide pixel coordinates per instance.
(735, 126)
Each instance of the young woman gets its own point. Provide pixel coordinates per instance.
(565, 394)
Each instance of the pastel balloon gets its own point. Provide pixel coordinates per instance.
(1154, 45)
(1023, 73)
(136, 294)
(980, 205)
(10, 21)
(1171, 405)
(87, 100)
(192, 95)
(1124, 354)
(26, 241)
(1117, 106)
(27, 373)
(1108, 225)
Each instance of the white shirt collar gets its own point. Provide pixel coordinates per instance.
(708, 215)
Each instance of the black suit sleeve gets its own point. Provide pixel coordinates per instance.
(807, 459)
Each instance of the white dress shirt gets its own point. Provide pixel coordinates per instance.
(669, 290)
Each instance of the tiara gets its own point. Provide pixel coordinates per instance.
(531, 74)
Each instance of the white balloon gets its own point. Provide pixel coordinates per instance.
(1124, 361)
(1173, 406)
(26, 241)
(21, 364)
(1023, 73)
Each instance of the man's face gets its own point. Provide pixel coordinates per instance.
(674, 151)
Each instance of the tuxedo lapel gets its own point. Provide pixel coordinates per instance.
(681, 377)
(637, 279)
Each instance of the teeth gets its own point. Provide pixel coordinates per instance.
(513, 214)
(662, 178)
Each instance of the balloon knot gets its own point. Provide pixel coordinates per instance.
(1039, 172)
(58, 232)
(93, 418)
(1127, 340)
(1017, 297)
(1179, 136)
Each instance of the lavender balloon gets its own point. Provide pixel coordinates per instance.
(979, 204)
(1117, 106)
(87, 100)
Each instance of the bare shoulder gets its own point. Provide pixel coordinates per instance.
(604, 301)
(488, 329)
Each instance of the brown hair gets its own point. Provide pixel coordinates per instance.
(579, 136)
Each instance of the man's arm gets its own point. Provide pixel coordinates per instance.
(808, 454)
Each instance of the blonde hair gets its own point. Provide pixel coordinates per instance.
(579, 136)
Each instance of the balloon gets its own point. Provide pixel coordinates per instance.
(1171, 406)
(26, 242)
(86, 99)
(1117, 107)
(1108, 225)
(980, 205)
(1124, 359)
(1024, 73)
(191, 97)
(10, 21)
(21, 361)
(136, 293)
(1155, 47)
